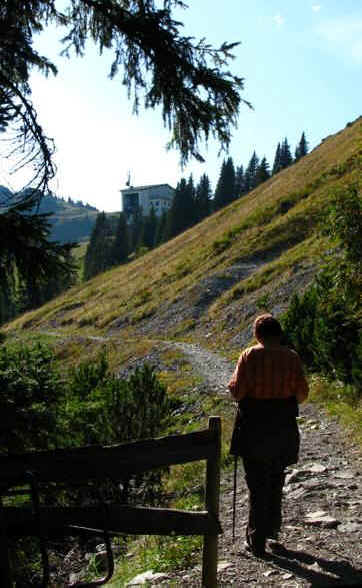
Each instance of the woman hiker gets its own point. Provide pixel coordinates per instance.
(268, 383)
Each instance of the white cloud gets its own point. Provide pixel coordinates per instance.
(343, 35)
(316, 7)
(279, 20)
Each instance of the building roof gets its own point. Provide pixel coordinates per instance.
(146, 187)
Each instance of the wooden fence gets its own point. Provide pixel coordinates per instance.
(97, 463)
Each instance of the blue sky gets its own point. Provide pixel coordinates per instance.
(301, 62)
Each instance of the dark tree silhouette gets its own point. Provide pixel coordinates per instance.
(250, 173)
(203, 198)
(277, 163)
(120, 246)
(225, 188)
(302, 148)
(98, 255)
(286, 158)
(262, 172)
(239, 182)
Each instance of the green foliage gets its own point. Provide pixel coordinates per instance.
(302, 148)
(32, 269)
(90, 406)
(30, 392)
(121, 246)
(98, 255)
(149, 229)
(262, 172)
(181, 215)
(101, 408)
(225, 188)
(263, 302)
(39, 409)
(324, 324)
(250, 176)
(203, 198)
(341, 400)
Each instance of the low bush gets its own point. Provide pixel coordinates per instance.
(324, 324)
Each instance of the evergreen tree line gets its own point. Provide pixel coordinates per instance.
(236, 181)
(112, 245)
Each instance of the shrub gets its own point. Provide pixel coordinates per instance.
(324, 324)
(30, 392)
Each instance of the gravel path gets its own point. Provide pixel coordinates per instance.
(322, 506)
(214, 369)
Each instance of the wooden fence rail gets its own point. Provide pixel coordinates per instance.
(117, 462)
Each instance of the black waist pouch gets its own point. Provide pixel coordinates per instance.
(266, 430)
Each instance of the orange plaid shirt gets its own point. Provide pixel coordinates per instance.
(268, 372)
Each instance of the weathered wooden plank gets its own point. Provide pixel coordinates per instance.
(118, 462)
(130, 520)
(209, 557)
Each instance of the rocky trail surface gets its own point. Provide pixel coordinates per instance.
(322, 507)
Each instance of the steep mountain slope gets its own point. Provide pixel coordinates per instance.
(208, 283)
(202, 290)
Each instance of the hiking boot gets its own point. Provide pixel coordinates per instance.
(276, 547)
(254, 551)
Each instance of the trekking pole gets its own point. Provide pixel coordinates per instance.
(234, 494)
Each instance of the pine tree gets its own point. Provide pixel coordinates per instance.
(189, 205)
(277, 163)
(136, 229)
(262, 172)
(250, 173)
(225, 188)
(286, 158)
(176, 215)
(161, 229)
(120, 247)
(203, 198)
(149, 229)
(98, 255)
(302, 148)
(218, 201)
(34, 267)
(239, 181)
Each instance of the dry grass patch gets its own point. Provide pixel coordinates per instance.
(274, 217)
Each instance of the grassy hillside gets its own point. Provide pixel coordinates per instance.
(70, 221)
(205, 286)
(207, 283)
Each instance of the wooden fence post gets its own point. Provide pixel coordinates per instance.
(209, 560)
(5, 572)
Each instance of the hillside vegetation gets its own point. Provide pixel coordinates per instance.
(207, 284)
(203, 287)
(69, 220)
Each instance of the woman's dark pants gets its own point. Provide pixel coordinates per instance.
(265, 481)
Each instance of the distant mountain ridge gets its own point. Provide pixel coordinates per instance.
(70, 220)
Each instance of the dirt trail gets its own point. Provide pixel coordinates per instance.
(214, 369)
(322, 506)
